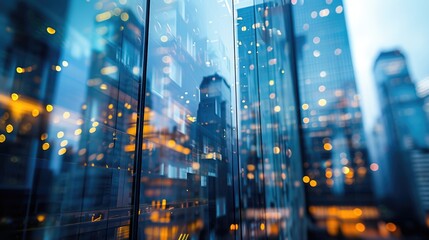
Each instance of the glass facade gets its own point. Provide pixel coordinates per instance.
(226, 119)
(168, 119)
(336, 166)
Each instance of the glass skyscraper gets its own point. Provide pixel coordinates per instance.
(402, 140)
(336, 164)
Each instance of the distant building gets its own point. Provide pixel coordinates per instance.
(402, 136)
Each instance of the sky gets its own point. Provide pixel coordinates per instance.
(382, 25)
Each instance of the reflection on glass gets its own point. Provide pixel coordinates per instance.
(219, 155)
(336, 164)
(69, 72)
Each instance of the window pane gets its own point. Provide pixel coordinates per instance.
(70, 72)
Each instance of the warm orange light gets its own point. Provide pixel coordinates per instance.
(262, 226)
(313, 183)
(2, 138)
(41, 217)
(9, 128)
(327, 146)
(357, 212)
(306, 179)
(50, 30)
(391, 227)
(62, 151)
(45, 146)
(360, 227)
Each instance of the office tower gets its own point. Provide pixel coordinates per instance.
(270, 159)
(336, 164)
(403, 137)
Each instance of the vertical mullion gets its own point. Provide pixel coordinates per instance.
(135, 200)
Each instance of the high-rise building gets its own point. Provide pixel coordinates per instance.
(402, 136)
(270, 159)
(336, 164)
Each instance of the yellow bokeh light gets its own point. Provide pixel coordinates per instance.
(346, 170)
(277, 109)
(44, 136)
(2, 138)
(313, 183)
(65, 63)
(262, 226)
(14, 96)
(305, 106)
(62, 151)
(9, 128)
(49, 108)
(51, 30)
(57, 68)
(276, 150)
(35, 113)
(66, 115)
(322, 102)
(271, 82)
(327, 146)
(95, 124)
(20, 70)
(306, 120)
(45, 146)
(64, 143)
(92, 130)
(306, 179)
(125, 16)
(77, 131)
(60, 134)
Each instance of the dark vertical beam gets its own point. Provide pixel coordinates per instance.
(135, 199)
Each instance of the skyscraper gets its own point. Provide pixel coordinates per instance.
(336, 164)
(403, 139)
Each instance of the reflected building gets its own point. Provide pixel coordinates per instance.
(219, 154)
(402, 138)
(270, 160)
(336, 165)
(28, 79)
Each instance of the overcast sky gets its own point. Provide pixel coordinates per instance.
(380, 25)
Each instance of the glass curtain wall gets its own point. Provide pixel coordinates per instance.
(171, 119)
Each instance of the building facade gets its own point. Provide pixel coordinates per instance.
(336, 163)
(133, 119)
